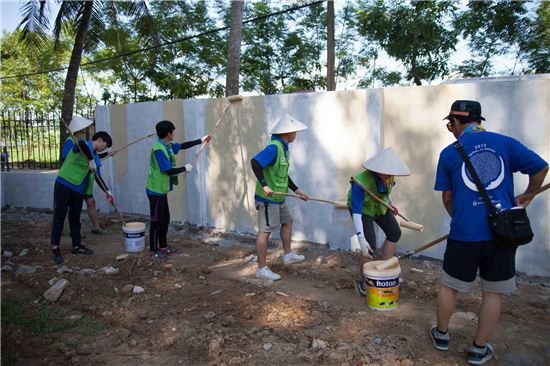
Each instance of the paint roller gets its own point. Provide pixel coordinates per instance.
(405, 222)
(231, 99)
(99, 181)
(394, 260)
(335, 203)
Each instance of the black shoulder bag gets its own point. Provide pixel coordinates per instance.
(509, 227)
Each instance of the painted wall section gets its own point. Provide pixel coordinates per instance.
(345, 128)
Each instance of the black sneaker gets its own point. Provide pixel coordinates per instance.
(57, 256)
(82, 250)
(360, 287)
(478, 356)
(440, 341)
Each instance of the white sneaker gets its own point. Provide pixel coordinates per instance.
(292, 257)
(266, 274)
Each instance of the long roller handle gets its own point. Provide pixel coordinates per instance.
(376, 198)
(338, 204)
(130, 144)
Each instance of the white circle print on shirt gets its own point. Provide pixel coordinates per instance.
(488, 166)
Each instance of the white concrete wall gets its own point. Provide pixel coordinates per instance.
(345, 128)
(28, 188)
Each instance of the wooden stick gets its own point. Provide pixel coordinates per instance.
(231, 99)
(97, 180)
(337, 204)
(415, 226)
(376, 198)
(127, 145)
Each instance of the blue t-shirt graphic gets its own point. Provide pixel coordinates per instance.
(495, 158)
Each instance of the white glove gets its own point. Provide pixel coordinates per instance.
(365, 247)
(188, 167)
(110, 197)
(92, 165)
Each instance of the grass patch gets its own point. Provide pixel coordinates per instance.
(46, 318)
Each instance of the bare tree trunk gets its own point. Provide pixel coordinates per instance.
(234, 49)
(67, 104)
(331, 82)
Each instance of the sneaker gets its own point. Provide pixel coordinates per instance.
(57, 256)
(440, 341)
(292, 257)
(157, 255)
(266, 274)
(168, 250)
(478, 356)
(82, 249)
(360, 287)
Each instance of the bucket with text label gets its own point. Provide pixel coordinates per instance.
(382, 286)
(134, 236)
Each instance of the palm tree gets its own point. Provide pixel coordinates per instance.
(234, 49)
(84, 18)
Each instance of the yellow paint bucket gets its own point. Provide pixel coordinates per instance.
(382, 286)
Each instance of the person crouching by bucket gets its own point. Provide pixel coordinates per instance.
(77, 173)
(161, 179)
(378, 178)
(270, 167)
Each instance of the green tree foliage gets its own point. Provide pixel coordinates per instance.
(415, 33)
(192, 67)
(535, 43)
(282, 53)
(491, 28)
(40, 92)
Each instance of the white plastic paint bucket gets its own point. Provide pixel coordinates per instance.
(382, 285)
(134, 236)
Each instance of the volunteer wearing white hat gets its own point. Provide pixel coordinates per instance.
(378, 178)
(271, 169)
(78, 127)
(75, 180)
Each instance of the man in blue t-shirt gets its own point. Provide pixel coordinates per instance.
(470, 246)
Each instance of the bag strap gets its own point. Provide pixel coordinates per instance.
(479, 185)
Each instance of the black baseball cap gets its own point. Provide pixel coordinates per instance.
(466, 108)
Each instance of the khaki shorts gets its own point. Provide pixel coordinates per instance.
(499, 287)
(272, 215)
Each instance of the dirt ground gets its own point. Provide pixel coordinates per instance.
(204, 306)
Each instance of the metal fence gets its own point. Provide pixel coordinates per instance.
(30, 140)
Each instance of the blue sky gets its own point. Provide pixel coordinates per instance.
(10, 14)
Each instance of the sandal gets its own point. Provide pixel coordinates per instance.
(82, 250)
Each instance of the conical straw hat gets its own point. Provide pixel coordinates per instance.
(287, 124)
(79, 123)
(387, 162)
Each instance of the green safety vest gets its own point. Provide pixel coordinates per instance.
(276, 175)
(370, 206)
(75, 169)
(158, 181)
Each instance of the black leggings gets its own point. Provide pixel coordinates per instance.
(160, 219)
(387, 222)
(65, 199)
